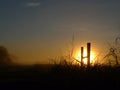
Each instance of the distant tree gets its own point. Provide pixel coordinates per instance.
(4, 56)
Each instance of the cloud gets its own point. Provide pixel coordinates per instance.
(33, 4)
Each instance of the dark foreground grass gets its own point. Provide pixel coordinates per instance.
(60, 77)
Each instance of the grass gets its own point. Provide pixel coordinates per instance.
(59, 76)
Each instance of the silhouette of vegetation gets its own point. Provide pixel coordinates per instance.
(114, 51)
(4, 56)
(62, 76)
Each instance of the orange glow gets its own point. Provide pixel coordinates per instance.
(78, 56)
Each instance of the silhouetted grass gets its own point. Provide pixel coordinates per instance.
(62, 76)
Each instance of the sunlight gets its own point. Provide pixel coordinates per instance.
(78, 56)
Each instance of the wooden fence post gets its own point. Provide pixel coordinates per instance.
(81, 56)
(88, 54)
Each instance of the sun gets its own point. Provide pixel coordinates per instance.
(78, 56)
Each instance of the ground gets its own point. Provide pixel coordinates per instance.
(60, 76)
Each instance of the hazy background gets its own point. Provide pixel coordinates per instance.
(35, 30)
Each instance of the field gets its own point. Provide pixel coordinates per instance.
(60, 76)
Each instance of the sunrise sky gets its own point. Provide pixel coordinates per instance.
(35, 30)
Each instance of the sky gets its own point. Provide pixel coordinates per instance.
(36, 30)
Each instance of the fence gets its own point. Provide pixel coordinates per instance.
(88, 54)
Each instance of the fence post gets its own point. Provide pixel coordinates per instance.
(81, 56)
(88, 54)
